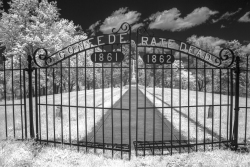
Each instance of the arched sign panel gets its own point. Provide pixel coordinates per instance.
(226, 55)
(42, 58)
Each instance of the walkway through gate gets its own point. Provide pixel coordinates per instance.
(142, 95)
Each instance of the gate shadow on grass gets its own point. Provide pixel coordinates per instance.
(210, 132)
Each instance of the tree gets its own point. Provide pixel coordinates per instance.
(206, 79)
(28, 25)
(238, 50)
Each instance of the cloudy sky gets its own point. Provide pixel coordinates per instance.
(178, 19)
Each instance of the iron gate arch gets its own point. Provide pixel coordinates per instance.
(161, 96)
(170, 91)
(154, 140)
(96, 112)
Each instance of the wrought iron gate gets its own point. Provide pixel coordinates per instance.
(190, 93)
(110, 93)
(89, 99)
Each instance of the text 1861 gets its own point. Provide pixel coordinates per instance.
(107, 57)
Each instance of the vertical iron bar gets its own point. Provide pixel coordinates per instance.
(228, 96)
(36, 135)
(145, 112)
(39, 85)
(188, 102)
(103, 105)
(77, 105)
(171, 107)
(180, 87)
(162, 105)
(94, 102)
(246, 99)
(69, 103)
(212, 110)
(46, 101)
(21, 97)
(121, 108)
(205, 101)
(61, 109)
(12, 92)
(32, 135)
(196, 96)
(220, 113)
(112, 114)
(154, 111)
(231, 106)
(25, 109)
(54, 117)
(137, 89)
(237, 91)
(5, 99)
(130, 93)
(85, 99)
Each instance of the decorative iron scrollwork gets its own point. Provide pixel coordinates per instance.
(226, 57)
(143, 31)
(125, 27)
(41, 58)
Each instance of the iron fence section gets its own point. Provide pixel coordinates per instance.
(186, 106)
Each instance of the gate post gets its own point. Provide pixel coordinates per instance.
(237, 91)
(30, 70)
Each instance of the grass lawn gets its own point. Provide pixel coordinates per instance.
(26, 153)
(69, 114)
(198, 115)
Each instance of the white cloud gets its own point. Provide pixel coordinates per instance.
(213, 41)
(226, 15)
(92, 28)
(246, 49)
(136, 26)
(171, 20)
(245, 18)
(117, 18)
(222, 26)
(208, 43)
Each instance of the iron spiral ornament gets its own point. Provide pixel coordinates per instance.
(125, 27)
(226, 58)
(143, 31)
(41, 59)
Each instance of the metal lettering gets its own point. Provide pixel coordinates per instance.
(98, 40)
(88, 41)
(70, 50)
(163, 41)
(185, 47)
(207, 57)
(121, 38)
(144, 40)
(198, 54)
(191, 50)
(110, 39)
(153, 42)
(170, 43)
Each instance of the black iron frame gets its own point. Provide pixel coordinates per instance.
(35, 130)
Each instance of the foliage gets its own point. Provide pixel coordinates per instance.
(28, 153)
(28, 25)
